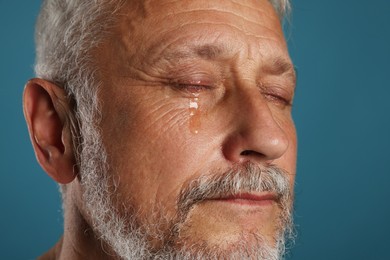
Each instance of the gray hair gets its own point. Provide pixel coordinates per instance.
(67, 32)
(282, 7)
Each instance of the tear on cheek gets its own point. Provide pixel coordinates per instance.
(195, 115)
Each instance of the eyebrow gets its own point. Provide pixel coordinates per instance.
(207, 52)
(277, 66)
(280, 66)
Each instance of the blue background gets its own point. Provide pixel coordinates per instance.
(342, 52)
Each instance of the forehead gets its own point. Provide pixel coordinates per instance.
(254, 11)
(153, 29)
(158, 18)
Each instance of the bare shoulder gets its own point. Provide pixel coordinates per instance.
(49, 255)
(53, 253)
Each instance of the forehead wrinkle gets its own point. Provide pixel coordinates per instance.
(175, 49)
(250, 31)
(266, 19)
(227, 5)
(146, 8)
(164, 47)
(271, 15)
(222, 12)
(182, 47)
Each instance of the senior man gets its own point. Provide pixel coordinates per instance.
(167, 125)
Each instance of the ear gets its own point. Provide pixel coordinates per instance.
(46, 109)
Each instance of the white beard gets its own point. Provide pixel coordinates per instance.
(126, 238)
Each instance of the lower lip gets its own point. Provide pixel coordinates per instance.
(248, 201)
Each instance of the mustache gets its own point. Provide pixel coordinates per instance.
(236, 180)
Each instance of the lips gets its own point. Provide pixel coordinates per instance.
(250, 199)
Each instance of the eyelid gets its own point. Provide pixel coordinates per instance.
(188, 82)
(195, 81)
(280, 99)
(181, 86)
(278, 92)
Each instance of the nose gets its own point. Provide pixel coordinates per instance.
(256, 135)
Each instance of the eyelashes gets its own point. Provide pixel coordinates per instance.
(278, 100)
(192, 88)
(278, 95)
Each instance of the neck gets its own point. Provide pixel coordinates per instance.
(78, 241)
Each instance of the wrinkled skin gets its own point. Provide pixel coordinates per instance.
(189, 88)
(192, 88)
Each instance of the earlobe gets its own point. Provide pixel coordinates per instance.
(46, 111)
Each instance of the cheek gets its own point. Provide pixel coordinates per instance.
(148, 146)
(288, 160)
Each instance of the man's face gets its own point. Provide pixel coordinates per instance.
(197, 89)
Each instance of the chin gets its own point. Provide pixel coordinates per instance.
(222, 239)
(239, 246)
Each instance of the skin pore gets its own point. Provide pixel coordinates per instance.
(188, 89)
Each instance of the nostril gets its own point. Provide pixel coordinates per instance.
(248, 152)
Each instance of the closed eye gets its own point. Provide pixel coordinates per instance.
(278, 99)
(190, 88)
